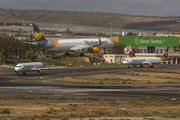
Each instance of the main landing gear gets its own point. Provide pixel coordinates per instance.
(104, 50)
(81, 54)
(23, 73)
(66, 54)
(19, 73)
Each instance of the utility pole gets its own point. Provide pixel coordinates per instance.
(111, 33)
(111, 30)
(22, 29)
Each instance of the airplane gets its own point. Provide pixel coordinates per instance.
(150, 61)
(92, 45)
(22, 68)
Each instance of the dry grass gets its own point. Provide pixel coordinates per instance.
(139, 77)
(90, 107)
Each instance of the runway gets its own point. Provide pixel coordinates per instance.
(9, 86)
(57, 73)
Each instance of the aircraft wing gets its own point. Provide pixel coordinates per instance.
(80, 47)
(48, 68)
(8, 66)
(27, 42)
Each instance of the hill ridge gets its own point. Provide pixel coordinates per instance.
(99, 19)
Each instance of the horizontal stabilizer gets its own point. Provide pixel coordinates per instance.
(7, 66)
(27, 42)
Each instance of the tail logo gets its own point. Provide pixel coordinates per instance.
(38, 35)
(166, 53)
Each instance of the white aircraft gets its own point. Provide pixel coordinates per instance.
(147, 60)
(92, 45)
(22, 68)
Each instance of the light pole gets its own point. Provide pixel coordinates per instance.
(111, 29)
(111, 33)
(22, 29)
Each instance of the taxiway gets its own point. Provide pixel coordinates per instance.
(11, 85)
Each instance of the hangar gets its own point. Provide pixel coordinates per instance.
(147, 47)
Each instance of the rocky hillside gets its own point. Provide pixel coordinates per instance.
(99, 19)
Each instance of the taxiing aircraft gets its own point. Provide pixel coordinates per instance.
(147, 60)
(22, 68)
(92, 45)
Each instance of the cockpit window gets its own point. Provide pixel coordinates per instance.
(126, 60)
(18, 66)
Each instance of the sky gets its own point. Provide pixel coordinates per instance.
(132, 7)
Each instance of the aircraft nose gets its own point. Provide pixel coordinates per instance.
(124, 62)
(16, 69)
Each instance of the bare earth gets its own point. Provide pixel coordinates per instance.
(142, 77)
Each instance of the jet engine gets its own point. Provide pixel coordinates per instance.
(150, 65)
(39, 72)
(93, 50)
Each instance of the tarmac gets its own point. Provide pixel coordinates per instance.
(13, 85)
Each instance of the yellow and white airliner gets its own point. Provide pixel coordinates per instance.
(22, 68)
(92, 45)
(147, 60)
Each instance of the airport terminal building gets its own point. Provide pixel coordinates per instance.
(147, 47)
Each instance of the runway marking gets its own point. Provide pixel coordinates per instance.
(30, 90)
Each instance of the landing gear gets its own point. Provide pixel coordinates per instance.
(19, 73)
(81, 54)
(128, 66)
(104, 50)
(24, 73)
(141, 66)
(66, 54)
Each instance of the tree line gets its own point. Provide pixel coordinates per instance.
(12, 48)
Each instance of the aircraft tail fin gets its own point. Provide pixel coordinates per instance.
(166, 52)
(37, 33)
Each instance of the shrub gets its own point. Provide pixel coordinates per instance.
(21, 97)
(62, 98)
(121, 112)
(5, 111)
(41, 97)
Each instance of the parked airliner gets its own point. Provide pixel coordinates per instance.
(147, 60)
(92, 45)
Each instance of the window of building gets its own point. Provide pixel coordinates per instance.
(157, 50)
(137, 50)
(140, 50)
(151, 49)
(161, 50)
(144, 50)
